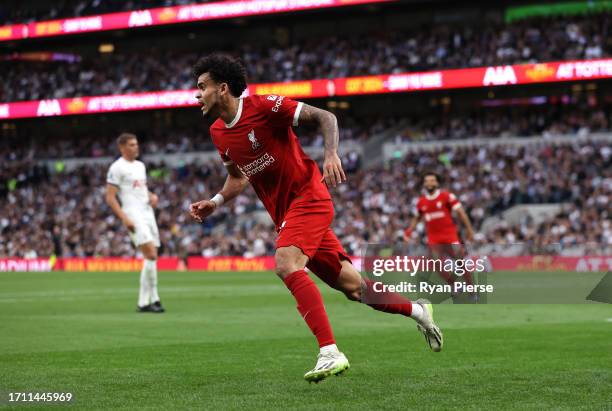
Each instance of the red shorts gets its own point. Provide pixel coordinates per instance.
(307, 226)
(454, 250)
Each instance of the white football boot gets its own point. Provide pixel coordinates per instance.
(430, 330)
(328, 364)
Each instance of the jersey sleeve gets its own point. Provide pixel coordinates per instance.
(114, 175)
(453, 201)
(418, 209)
(281, 111)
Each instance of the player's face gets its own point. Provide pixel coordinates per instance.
(209, 96)
(130, 149)
(430, 183)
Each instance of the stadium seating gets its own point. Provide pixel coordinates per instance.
(45, 212)
(377, 52)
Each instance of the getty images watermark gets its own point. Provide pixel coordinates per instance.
(453, 270)
(451, 273)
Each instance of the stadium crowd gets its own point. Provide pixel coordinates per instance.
(545, 120)
(177, 139)
(44, 212)
(378, 52)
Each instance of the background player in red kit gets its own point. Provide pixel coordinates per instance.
(436, 207)
(256, 141)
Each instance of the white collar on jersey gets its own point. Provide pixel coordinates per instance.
(238, 114)
(433, 196)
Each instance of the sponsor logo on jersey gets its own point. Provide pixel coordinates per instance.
(257, 166)
(279, 101)
(272, 97)
(434, 215)
(254, 143)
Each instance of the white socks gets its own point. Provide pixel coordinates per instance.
(417, 312)
(151, 267)
(148, 283)
(332, 348)
(144, 296)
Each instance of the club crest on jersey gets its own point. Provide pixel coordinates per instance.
(439, 204)
(254, 143)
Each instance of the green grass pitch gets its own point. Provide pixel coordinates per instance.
(236, 341)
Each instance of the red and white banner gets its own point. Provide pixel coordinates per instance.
(167, 15)
(380, 84)
(110, 264)
(539, 263)
(26, 264)
(230, 263)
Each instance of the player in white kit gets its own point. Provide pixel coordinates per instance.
(127, 177)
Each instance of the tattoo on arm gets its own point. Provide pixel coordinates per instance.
(327, 122)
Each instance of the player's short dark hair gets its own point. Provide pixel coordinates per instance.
(223, 68)
(125, 137)
(431, 173)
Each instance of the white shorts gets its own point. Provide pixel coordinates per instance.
(145, 227)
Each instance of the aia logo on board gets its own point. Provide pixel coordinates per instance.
(140, 18)
(498, 76)
(49, 108)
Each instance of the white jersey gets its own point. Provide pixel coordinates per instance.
(130, 177)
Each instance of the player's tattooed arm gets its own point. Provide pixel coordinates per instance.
(327, 122)
(333, 174)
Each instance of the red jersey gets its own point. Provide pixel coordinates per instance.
(437, 209)
(261, 142)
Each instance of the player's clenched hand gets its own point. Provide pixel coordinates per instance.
(202, 209)
(408, 236)
(129, 224)
(333, 174)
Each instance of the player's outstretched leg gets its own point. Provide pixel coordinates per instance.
(310, 305)
(356, 288)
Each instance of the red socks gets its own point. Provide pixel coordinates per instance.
(387, 302)
(310, 305)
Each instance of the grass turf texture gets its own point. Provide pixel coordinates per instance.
(236, 341)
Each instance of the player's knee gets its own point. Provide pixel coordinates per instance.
(353, 292)
(284, 267)
(350, 282)
(149, 251)
(286, 262)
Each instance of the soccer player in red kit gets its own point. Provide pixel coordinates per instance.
(436, 207)
(257, 144)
